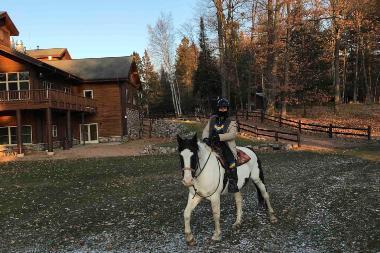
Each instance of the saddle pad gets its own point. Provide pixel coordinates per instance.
(242, 158)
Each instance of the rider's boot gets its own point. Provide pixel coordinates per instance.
(233, 179)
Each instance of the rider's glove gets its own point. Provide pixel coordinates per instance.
(207, 141)
(215, 138)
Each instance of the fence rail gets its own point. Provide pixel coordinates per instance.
(312, 127)
(277, 135)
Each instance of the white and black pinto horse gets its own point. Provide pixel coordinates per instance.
(204, 176)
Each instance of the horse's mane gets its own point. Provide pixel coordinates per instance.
(203, 147)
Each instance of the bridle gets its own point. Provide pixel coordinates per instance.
(193, 172)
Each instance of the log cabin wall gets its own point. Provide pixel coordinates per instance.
(109, 110)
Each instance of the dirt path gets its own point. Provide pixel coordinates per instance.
(131, 148)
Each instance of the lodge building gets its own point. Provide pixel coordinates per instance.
(47, 98)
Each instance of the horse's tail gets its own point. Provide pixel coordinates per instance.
(261, 176)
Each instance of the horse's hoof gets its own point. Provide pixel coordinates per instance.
(191, 243)
(273, 219)
(236, 225)
(215, 238)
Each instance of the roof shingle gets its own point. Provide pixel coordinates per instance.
(96, 68)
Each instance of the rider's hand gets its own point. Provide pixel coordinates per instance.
(207, 141)
(215, 138)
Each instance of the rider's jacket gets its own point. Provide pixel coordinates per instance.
(227, 130)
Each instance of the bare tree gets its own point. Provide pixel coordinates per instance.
(162, 49)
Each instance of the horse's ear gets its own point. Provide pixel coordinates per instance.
(179, 140)
(195, 139)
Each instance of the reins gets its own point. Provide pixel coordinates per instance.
(196, 176)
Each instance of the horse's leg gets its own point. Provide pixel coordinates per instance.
(239, 211)
(215, 205)
(192, 202)
(265, 195)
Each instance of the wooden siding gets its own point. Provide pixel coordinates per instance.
(5, 36)
(109, 111)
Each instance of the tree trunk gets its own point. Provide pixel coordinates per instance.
(356, 73)
(344, 76)
(270, 57)
(221, 39)
(284, 96)
(336, 67)
(367, 87)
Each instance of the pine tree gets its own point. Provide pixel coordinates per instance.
(186, 64)
(149, 81)
(207, 81)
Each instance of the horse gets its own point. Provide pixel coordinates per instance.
(203, 174)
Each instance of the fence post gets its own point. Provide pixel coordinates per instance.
(246, 115)
(298, 139)
(262, 115)
(276, 136)
(238, 124)
(299, 126)
(369, 133)
(330, 131)
(280, 121)
(150, 127)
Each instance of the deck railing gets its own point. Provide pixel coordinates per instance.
(47, 97)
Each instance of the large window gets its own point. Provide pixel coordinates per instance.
(17, 81)
(8, 135)
(14, 81)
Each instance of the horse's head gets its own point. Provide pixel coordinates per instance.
(188, 151)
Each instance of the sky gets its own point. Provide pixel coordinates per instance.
(92, 28)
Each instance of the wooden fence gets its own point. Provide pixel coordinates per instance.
(147, 124)
(313, 127)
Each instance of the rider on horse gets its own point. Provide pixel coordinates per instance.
(220, 133)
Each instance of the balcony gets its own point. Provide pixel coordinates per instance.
(45, 98)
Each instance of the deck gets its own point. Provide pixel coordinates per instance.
(45, 98)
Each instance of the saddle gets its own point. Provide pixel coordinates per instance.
(242, 158)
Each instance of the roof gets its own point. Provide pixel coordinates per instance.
(97, 68)
(9, 23)
(44, 53)
(26, 58)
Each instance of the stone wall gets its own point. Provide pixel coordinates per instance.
(167, 128)
(133, 123)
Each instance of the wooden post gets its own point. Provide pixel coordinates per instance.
(68, 126)
(150, 127)
(298, 139)
(246, 115)
(330, 131)
(276, 136)
(19, 134)
(238, 126)
(280, 121)
(49, 131)
(299, 126)
(262, 115)
(369, 133)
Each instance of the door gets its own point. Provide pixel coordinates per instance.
(89, 133)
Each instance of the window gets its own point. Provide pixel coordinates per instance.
(55, 131)
(8, 135)
(47, 85)
(67, 90)
(88, 94)
(14, 81)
